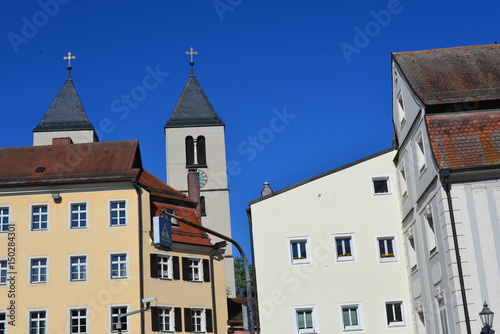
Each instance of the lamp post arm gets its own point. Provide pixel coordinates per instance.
(243, 257)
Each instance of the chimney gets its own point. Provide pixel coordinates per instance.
(193, 179)
(266, 190)
(62, 141)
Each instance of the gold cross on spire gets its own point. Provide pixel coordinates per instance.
(69, 57)
(191, 52)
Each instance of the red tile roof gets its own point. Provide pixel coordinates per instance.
(159, 188)
(465, 139)
(471, 72)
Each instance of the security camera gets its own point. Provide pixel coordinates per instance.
(148, 300)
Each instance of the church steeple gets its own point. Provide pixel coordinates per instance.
(65, 117)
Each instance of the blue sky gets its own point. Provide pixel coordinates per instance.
(302, 86)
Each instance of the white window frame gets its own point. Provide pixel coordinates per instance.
(400, 105)
(124, 319)
(160, 263)
(30, 268)
(86, 266)
(79, 317)
(110, 210)
(46, 319)
(385, 178)
(387, 239)
(192, 267)
(443, 317)
(342, 257)
(4, 218)
(201, 316)
(32, 214)
(120, 262)
(170, 314)
(359, 313)
(4, 269)
(393, 303)
(296, 241)
(306, 308)
(86, 211)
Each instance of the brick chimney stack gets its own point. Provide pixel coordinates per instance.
(193, 179)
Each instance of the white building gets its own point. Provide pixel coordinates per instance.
(329, 253)
(446, 114)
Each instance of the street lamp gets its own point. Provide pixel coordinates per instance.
(486, 316)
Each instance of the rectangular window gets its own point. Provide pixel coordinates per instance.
(164, 267)
(4, 219)
(38, 271)
(197, 320)
(78, 321)
(401, 108)
(443, 317)
(194, 269)
(38, 322)
(3, 272)
(166, 319)
(344, 247)
(39, 218)
(299, 250)
(305, 320)
(79, 215)
(430, 232)
(412, 253)
(118, 266)
(78, 268)
(351, 317)
(118, 213)
(420, 153)
(387, 249)
(3, 322)
(381, 185)
(115, 311)
(394, 311)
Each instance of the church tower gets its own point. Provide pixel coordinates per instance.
(195, 144)
(65, 119)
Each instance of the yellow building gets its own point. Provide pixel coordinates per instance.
(76, 238)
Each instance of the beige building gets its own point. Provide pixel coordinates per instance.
(76, 239)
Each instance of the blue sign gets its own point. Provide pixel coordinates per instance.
(162, 232)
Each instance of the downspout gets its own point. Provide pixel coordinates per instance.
(445, 174)
(212, 286)
(254, 277)
(141, 260)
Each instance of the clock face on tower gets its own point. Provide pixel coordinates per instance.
(203, 178)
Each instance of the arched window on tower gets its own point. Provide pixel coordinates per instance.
(201, 152)
(202, 206)
(189, 151)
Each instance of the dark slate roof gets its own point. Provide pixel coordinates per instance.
(452, 75)
(193, 108)
(66, 112)
(465, 140)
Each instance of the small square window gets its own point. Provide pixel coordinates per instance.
(305, 320)
(299, 250)
(381, 185)
(394, 311)
(351, 317)
(39, 218)
(344, 247)
(118, 213)
(387, 249)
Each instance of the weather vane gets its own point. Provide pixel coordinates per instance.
(69, 57)
(191, 52)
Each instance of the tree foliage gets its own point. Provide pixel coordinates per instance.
(240, 277)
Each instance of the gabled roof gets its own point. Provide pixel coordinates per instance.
(452, 75)
(66, 112)
(465, 140)
(193, 108)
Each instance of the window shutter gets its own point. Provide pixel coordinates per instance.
(175, 267)
(187, 320)
(178, 319)
(189, 151)
(185, 269)
(208, 320)
(154, 265)
(155, 319)
(206, 271)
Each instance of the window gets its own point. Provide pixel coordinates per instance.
(38, 322)
(39, 218)
(412, 254)
(164, 266)
(78, 268)
(79, 215)
(197, 323)
(198, 320)
(165, 315)
(387, 249)
(3, 322)
(402, 182)
(394, 311)
(189, 151)
(118, 266)
(203, 206)
(195, 270)
(118, 213)
(166, 319)
(38, 271)
(4, 219)
(299, 251)
(344, 246)
(443, 316)
(351, 317)
(201, 151)
(78, 321)
(430, 232)
(381, 185)
(401, 109)
(3, 272)
(115, 311)
(305, 320)
(420, 153)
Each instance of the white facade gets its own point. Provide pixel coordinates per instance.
(329, 253)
